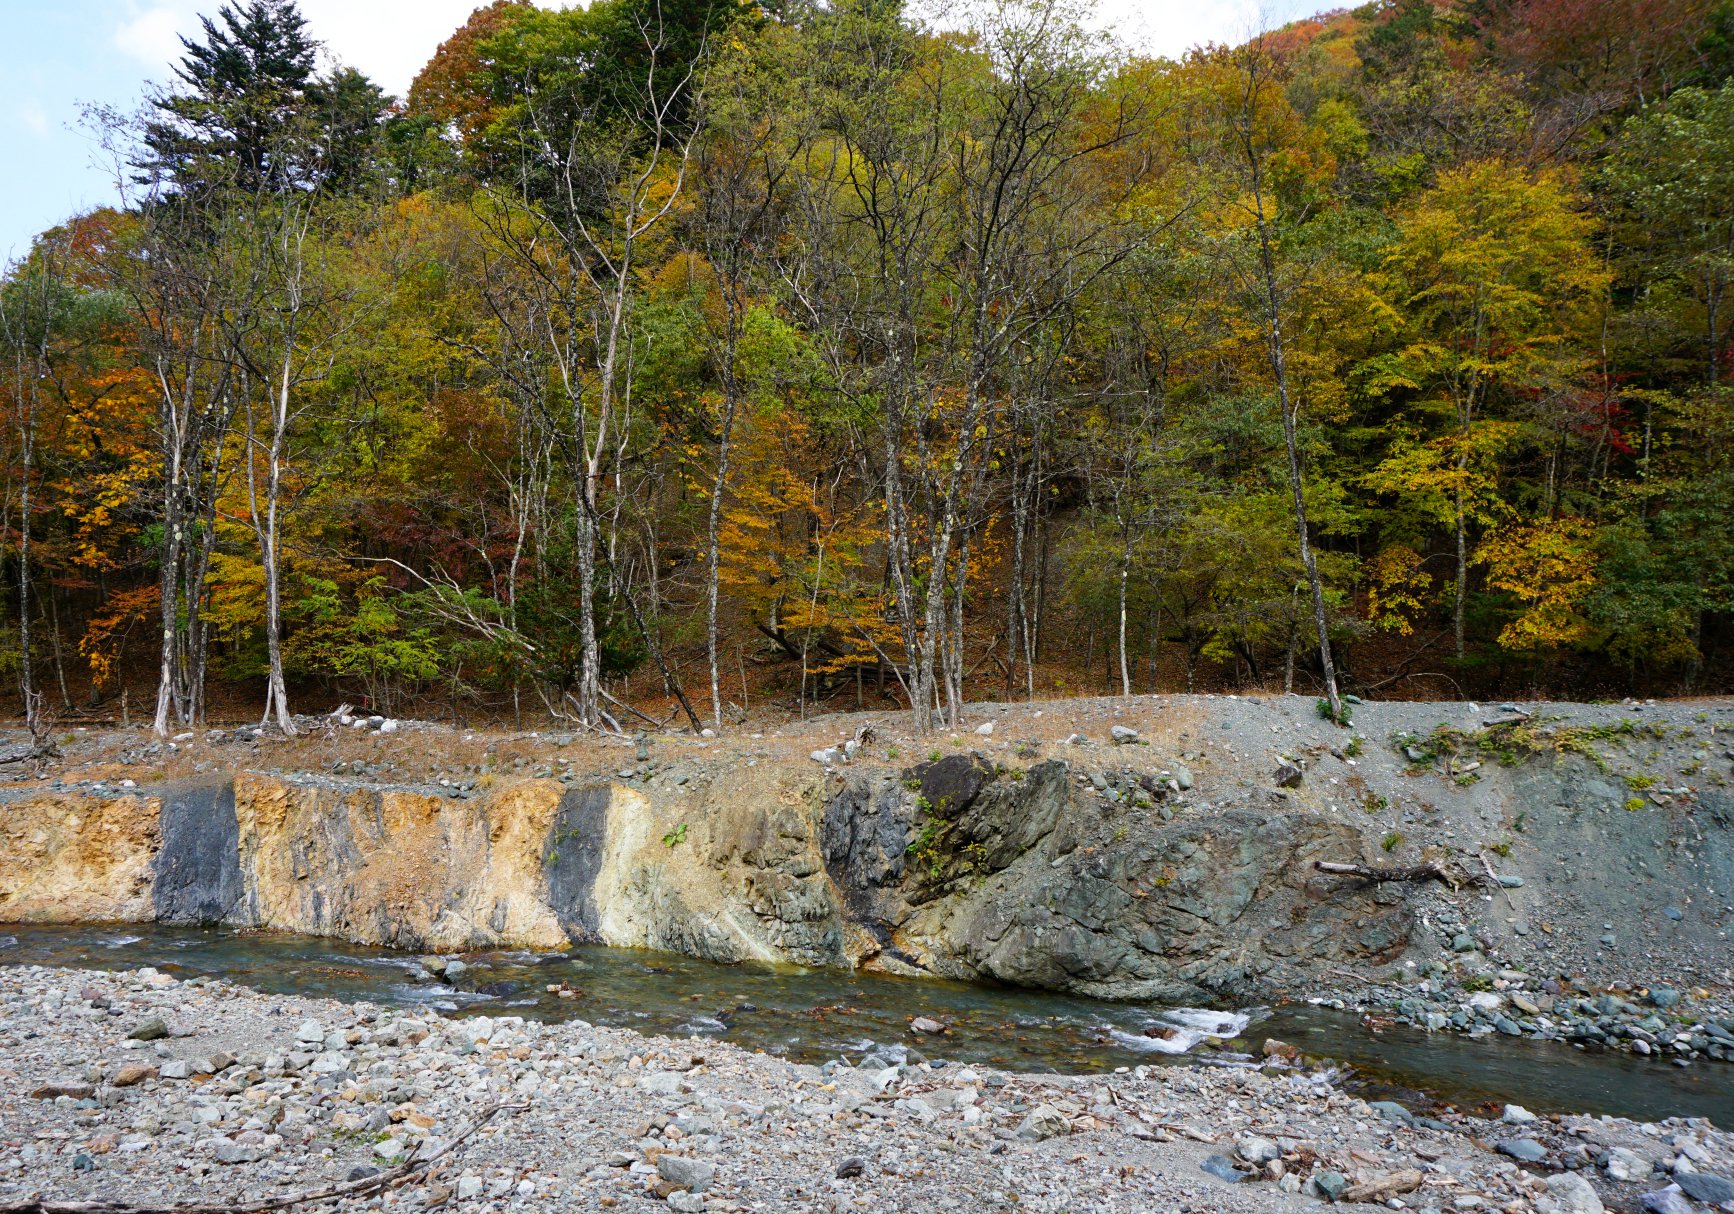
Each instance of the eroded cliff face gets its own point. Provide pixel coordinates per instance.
(1106, 882)
(1164, 869)
(71, 859)
(949, 868)
(1011, 877)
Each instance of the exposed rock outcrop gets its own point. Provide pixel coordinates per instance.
(1119, 883)
(968, 873)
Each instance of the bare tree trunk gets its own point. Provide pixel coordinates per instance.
(1015, 612)
(713, 551)
(1125, 573)
(1462, 575)
(1279, 371)
(276, 691)
(27, 449)
(54, 643)
(168, 580)
(1288, 660)
(589, 521)
(1155, 648)
(1043, 547)
(954, 674)
(920, 681)
(198, 643)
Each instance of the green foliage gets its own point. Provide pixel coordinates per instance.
(362, 637)
(924, 849)
(675, 837)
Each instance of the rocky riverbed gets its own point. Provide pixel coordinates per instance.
(1659, 1021)
(137, 1086)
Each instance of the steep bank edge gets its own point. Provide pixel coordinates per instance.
(958, 867)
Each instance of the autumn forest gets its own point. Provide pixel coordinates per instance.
(664, 362)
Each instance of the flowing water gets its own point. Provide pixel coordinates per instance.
(814, 1015)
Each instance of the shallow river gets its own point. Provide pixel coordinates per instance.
(813, 1015)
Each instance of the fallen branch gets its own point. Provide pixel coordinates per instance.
(1493, 877)
(389, 1178)
(1385, 1187)
(1361, 978)
(619, 703)
(1422, 674)
(1430, 871)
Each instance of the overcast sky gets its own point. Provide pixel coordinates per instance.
(58, 56)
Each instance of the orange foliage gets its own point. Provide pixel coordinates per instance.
(795, 548)
(108, 630)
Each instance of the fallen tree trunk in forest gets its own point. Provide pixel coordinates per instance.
(390, 1178)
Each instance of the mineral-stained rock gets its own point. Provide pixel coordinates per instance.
(966, 866)
(132, 1074)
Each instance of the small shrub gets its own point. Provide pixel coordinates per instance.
(924, 849)
(675, 836)
(1392, 841)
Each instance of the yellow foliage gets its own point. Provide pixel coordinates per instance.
(1551, 566)
(1396, 587)
(794, 550)
(236, 585)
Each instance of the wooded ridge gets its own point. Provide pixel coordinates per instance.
(658, 361)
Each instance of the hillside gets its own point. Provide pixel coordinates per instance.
(657, 362)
